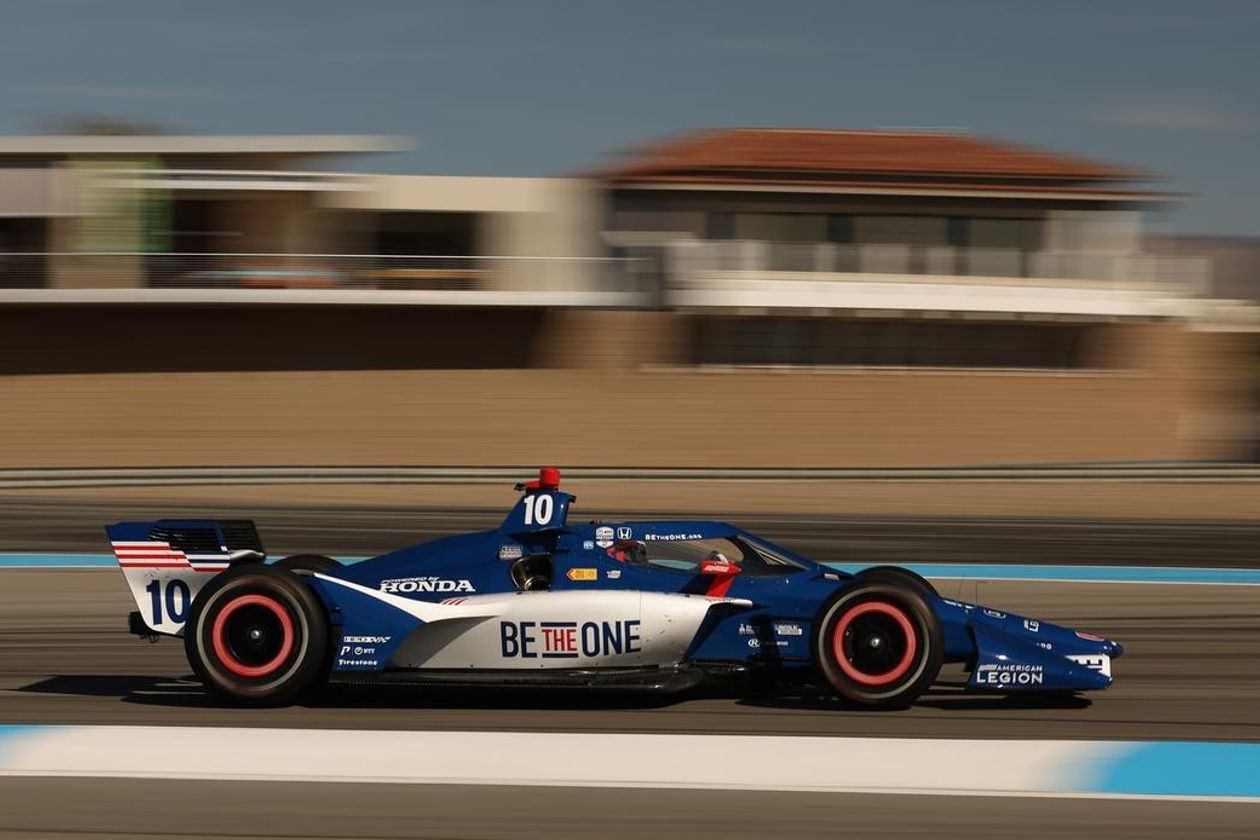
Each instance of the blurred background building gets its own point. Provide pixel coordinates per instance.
(743, 297)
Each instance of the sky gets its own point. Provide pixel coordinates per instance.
(545, 88)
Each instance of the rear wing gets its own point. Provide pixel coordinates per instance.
(167, 561)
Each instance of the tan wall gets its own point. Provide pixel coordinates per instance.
(581, 418)
(36, 193)
(517, 217)
(606, 408)
(271, 223)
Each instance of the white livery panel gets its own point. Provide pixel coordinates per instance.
(587, 629)
(524, 630)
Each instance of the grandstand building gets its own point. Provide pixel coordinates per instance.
(743, 297)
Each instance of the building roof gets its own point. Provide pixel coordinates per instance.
(50, 145)
(918, 160)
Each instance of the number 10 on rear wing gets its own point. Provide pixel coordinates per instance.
(167, 561)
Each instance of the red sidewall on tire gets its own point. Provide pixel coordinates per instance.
(219, 636)
(909, 643)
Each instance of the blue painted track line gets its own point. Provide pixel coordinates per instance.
(983, 571)
(57, 561)
(1182, 768)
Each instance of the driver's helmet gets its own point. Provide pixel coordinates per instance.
(629, 551)
(717, 557)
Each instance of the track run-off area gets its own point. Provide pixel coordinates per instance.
(94, 714)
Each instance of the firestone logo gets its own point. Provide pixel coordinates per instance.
(356, 663)
(426, 584)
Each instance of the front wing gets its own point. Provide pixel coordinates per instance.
(1016, 654)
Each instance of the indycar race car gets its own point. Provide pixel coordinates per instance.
(662, 604)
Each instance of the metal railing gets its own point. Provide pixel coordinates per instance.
(1186, 274)
(638, 277)
(288, 271)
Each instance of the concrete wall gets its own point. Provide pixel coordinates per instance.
(609, 397)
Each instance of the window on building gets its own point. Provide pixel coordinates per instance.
(781, 227)
(427, 234)
(900, 230)
(719, 226)
(1000, 247)
(805, 341)
(1020, 234)
(21, 262)
(201, 225)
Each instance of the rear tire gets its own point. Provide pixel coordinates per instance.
(878, 645)
(257, 636)
(308, 563)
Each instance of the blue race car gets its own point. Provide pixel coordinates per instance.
(540, 600)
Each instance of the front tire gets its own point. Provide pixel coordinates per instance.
(257, 636)
(896, 575)
(879, 645)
